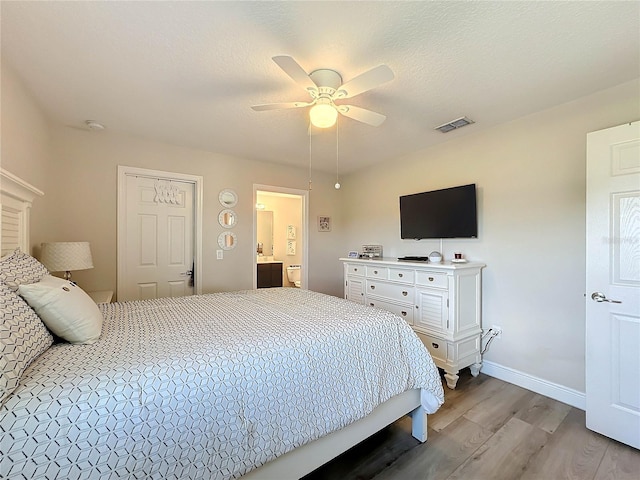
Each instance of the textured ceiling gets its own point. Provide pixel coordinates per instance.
(187, 73)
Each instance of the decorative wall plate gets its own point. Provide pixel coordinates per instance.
(227, 218)
(227, 240)
(228, 198)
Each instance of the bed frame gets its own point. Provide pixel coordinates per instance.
(16, 197)
(307, 458)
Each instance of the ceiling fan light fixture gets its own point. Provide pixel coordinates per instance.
(323, 115)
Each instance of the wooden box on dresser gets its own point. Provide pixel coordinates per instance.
(441, 301)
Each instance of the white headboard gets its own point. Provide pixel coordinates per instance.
(16, 197)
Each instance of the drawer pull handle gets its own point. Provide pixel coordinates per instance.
(431, 279)
(435, 345)
(404, 314)
(375, 272)
(405, 293)
(355, 269)
(372, 304)
(400, 275)
(373, 287)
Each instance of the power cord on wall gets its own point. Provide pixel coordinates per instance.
(491, 333)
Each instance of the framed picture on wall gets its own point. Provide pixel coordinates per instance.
(324, 224)
(291, 232)
(291, 247)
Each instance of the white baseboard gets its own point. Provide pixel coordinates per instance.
(543, 387)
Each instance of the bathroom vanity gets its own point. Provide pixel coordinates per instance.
(269, 274)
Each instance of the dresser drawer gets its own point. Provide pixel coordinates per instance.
(401, 293)
(402, 275)
(431, 279)
(353, 269)
(437, 348)
(404, 311)
(377, 272)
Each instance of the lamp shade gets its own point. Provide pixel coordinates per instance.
(323, 115)
(66, 256)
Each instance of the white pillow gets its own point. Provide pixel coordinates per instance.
(64, 308)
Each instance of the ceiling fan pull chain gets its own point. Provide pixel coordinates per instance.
(310, 126)
(337, 185)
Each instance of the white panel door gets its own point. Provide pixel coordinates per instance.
(159, 238)
(613, 283)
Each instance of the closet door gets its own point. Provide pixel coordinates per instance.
(159, 239)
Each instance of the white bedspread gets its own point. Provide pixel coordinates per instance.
(207, 387)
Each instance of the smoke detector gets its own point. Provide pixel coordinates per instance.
(93, 125)
(454, 124)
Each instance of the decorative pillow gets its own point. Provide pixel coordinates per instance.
(64, 308)
(23, 337)
(19, 268)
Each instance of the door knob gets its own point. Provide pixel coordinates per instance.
(601, 297)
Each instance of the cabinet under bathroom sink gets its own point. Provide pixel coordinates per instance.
(269, 274)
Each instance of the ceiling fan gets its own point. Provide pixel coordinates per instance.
(325, 87)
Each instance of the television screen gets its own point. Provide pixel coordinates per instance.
(446, 213)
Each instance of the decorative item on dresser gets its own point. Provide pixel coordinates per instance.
(442, 303)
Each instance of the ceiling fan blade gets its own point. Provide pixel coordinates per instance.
(297, 73)
(361, 115)
(365, 81)
(278, 106)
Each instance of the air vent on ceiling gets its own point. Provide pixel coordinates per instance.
(453, 124)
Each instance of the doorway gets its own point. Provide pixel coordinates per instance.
(159, 234)
(286, 238)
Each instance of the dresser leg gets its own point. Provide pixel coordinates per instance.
(452, 379)
(475, 369)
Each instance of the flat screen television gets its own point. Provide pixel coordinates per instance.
(446, 213)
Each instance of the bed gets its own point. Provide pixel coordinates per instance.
(268, 383)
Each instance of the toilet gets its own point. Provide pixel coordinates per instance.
(293, 274)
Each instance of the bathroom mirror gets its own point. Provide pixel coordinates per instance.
(227, 218)
(227, 240)
(264, 232)
(228, 198)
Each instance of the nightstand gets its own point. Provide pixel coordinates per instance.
(101, 296)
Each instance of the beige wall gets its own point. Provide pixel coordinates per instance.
(85, 184)
(77, 170)
(25, 146)
(530, 175)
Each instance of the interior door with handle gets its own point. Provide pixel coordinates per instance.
(613, 283)
(159, 245)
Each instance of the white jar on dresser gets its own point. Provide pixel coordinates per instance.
(442, 302)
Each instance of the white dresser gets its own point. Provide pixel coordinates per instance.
(442, 302)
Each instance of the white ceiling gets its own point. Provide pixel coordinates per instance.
(187, 73)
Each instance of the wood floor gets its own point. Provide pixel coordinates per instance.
(489, 430)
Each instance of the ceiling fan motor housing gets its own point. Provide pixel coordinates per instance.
(325, 77)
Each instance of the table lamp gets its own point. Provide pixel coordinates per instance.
(66, 256)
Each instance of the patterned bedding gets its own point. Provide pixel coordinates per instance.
(207, 387)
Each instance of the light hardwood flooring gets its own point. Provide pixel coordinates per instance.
(489, 430)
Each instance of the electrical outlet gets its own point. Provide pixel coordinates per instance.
(219, 254)
(498, 329)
